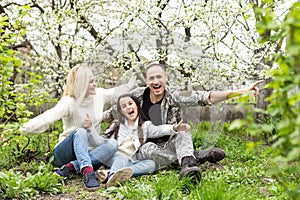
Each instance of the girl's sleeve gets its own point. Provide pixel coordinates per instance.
(41, 122)
(153, 131)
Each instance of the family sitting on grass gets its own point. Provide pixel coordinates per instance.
(146, 131)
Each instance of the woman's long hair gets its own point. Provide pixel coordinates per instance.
(121, 119)
(77, 83)
(76, 87)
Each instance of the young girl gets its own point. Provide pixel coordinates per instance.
(81, 100)
(131, 131)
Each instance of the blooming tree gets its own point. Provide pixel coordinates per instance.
(209, 44)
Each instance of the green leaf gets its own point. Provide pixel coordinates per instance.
(18, 63)
(236, 124)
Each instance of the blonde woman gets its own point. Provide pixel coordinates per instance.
(76, 150)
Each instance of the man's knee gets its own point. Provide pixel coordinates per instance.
(183, 136)
(146, 151)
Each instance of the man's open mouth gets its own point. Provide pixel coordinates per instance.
(157, 87)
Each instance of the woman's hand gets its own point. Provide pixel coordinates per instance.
(181, 127)
(132, 82)
(87, 122)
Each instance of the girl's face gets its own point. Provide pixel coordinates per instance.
(129, 109)
(91, 90)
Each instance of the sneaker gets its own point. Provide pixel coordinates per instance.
(190, 169)
(91, 181)
(119, 177)
(212, 155)
(64, 171)
(102, 175)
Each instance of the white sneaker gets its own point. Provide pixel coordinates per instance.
(102, 175)
(119, 177)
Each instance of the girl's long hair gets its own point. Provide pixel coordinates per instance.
(115, 129)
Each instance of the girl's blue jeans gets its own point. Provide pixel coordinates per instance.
(140, 167)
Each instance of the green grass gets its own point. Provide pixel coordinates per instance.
(245, 173)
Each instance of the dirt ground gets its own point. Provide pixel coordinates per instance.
(74, 190)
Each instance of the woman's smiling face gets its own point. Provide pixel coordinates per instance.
(91, 90)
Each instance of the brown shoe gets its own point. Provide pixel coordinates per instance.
(190, 169)
(211, 155)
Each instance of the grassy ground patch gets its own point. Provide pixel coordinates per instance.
(243, 174)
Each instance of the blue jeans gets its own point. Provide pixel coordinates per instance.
(74, 149)
(139, 168)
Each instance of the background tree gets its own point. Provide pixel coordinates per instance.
(202, 40)
(282, 121)
(209, 44)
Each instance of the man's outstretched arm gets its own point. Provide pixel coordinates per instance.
(218, 96)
